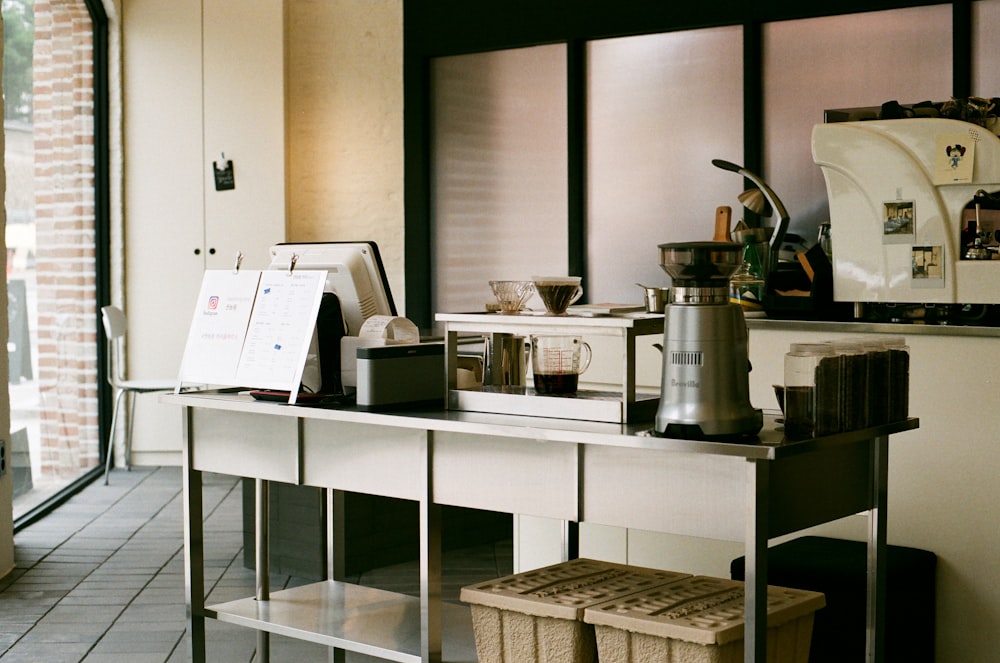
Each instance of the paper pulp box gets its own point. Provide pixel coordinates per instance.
(700, 620)
(537, 616)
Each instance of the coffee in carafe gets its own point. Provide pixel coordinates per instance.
(557, 362)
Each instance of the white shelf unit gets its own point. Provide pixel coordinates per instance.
(619, 406)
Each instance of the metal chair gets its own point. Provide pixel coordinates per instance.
(115, 326)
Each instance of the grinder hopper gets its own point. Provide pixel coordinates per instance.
(704, 392)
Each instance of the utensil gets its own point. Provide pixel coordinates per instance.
(656, 297)
(778, 235)
(723, 217)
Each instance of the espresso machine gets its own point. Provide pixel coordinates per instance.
(911, 221)
(705, 388)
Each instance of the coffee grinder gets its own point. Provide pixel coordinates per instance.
(705, 388)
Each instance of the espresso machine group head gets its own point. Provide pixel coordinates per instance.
(705, 391)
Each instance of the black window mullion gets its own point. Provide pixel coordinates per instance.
(961, 47)
(576, 74)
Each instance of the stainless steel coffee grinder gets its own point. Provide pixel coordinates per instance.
(705, 388)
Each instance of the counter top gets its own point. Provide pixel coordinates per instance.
(769, 444)
(899, 329)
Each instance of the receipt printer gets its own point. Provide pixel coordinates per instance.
(391, 377)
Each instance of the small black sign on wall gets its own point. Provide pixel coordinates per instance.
(225, 180)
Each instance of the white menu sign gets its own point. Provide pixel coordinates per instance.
(253, 329)
(281, 326)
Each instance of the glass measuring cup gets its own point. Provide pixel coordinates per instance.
(557, 362)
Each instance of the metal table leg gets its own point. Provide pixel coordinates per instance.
(263, 566)
(430, 568)
(336, 551)
(755, 572)
(875, 614)
(194, 546)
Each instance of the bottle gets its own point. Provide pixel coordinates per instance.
(812, 391)
(751, 257)
(747, 290)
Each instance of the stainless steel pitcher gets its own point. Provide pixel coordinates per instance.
(505, 361)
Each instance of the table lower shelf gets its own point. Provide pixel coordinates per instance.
(369, 621)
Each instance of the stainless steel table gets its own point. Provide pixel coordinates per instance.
(614, 474)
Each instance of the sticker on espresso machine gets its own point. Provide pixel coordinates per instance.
(953, 158)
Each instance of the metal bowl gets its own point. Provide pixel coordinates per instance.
(701, 263)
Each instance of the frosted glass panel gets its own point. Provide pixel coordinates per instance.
(985, 46)
(499, 194)
(660, 108)
(842, 62)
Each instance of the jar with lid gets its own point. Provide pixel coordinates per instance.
(899, 378)
(878, 381)
(853, 382)
(812, 391)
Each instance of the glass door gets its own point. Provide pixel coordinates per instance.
(48, 83)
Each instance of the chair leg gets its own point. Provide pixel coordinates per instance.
(111, 435)
(128, 431)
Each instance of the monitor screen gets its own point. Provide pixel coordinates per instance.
(354, 273)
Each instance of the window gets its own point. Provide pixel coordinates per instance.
(499, 172)
(52, 226)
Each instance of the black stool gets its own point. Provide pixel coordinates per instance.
(839, 568)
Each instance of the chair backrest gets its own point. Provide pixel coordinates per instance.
(115, 326)
(114, 322)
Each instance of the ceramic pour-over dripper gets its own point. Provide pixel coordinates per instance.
(511, 295)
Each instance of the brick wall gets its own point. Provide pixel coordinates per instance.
(64, 216)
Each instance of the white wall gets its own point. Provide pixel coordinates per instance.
(344, 125)
(306, 98)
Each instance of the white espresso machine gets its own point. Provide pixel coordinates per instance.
(913, 214)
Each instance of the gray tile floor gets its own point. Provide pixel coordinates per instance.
(101, 579)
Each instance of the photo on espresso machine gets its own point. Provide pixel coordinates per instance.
(898, 222)
(928, 266)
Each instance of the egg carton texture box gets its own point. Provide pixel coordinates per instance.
(537, 616)
(700, 620)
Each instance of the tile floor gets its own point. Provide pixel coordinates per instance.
(101, 579)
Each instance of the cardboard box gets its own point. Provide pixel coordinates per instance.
(700, 620)
(536, 616)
